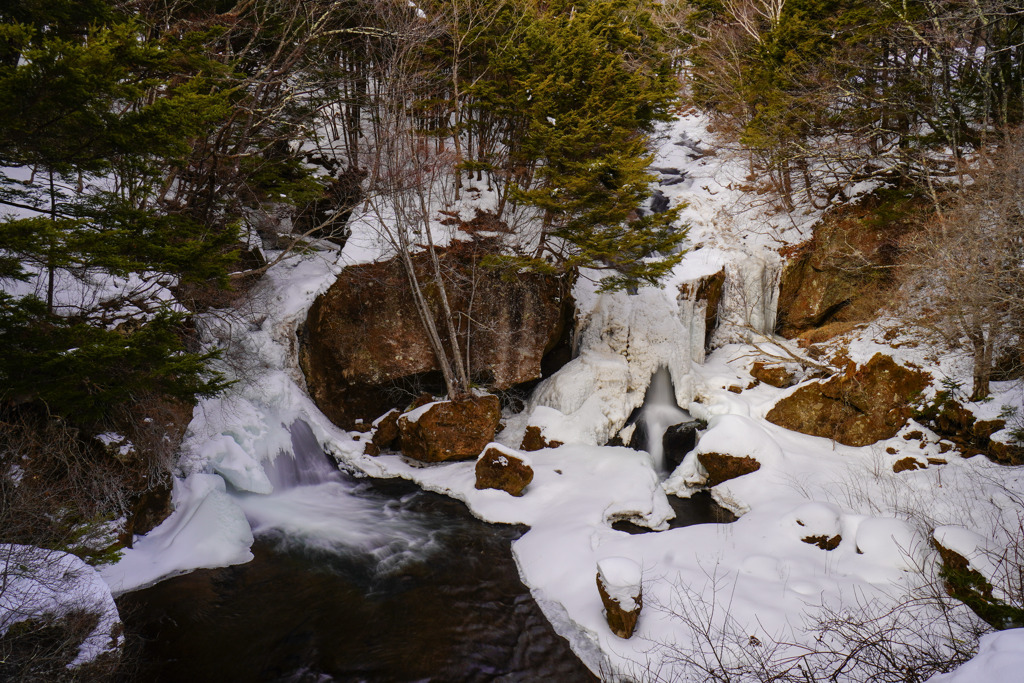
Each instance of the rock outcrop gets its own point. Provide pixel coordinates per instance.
(449, 430)
(838, 277)
(857, 408)
(500, 468)
(364, 337)
(970, 435)
(722, 467)
(619, 584)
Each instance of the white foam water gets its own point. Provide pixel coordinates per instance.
(317, 506)
(659, 412)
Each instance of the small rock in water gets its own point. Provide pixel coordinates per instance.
(499, 468)
(679, 440)
(619, 584)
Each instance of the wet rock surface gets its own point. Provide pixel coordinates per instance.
(679, 440)
(363, 340)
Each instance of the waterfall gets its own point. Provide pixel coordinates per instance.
(316, 505)
(659, 412)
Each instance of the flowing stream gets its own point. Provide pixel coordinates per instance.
(363, 580)
(353, 580)
(659, 412)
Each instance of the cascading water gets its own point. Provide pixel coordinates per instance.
(352, 580)
(659, 412)
(317, 506)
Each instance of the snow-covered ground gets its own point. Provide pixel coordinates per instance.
(48, 583)
(755, 579)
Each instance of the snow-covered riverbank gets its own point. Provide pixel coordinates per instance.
(727, 591)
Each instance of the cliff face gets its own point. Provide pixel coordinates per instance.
(363, 338)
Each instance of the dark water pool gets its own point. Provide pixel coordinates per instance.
(440, 601)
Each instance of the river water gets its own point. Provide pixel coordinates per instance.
(353, 580)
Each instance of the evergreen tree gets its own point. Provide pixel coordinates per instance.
(597, 80)
(90, 120)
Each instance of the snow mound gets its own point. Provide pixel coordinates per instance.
(891, 542)
(1000, 659)
(37, 582)
(815, 519)
(740, 436)
(207, 529)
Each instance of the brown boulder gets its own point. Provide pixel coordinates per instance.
(533, 440)
(364, 334)
(619, 585)
(857, 408)
(721, 467)
(773, 375)
(449, 430)
(501, 469)
(387, 430)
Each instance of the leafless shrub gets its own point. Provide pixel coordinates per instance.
(868, 641)
(967, 269)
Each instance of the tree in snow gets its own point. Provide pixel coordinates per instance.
(88, 122)
(970, 267)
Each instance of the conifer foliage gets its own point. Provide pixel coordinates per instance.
(92, 114)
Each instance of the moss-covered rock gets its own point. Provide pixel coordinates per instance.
(857, 408)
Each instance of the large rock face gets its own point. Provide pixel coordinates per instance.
(449, 430)
(364, 337)
(841, 274)
(857, 408)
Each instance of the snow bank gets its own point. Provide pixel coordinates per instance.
(37, 582)
(207, 529)
(1000, 659)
